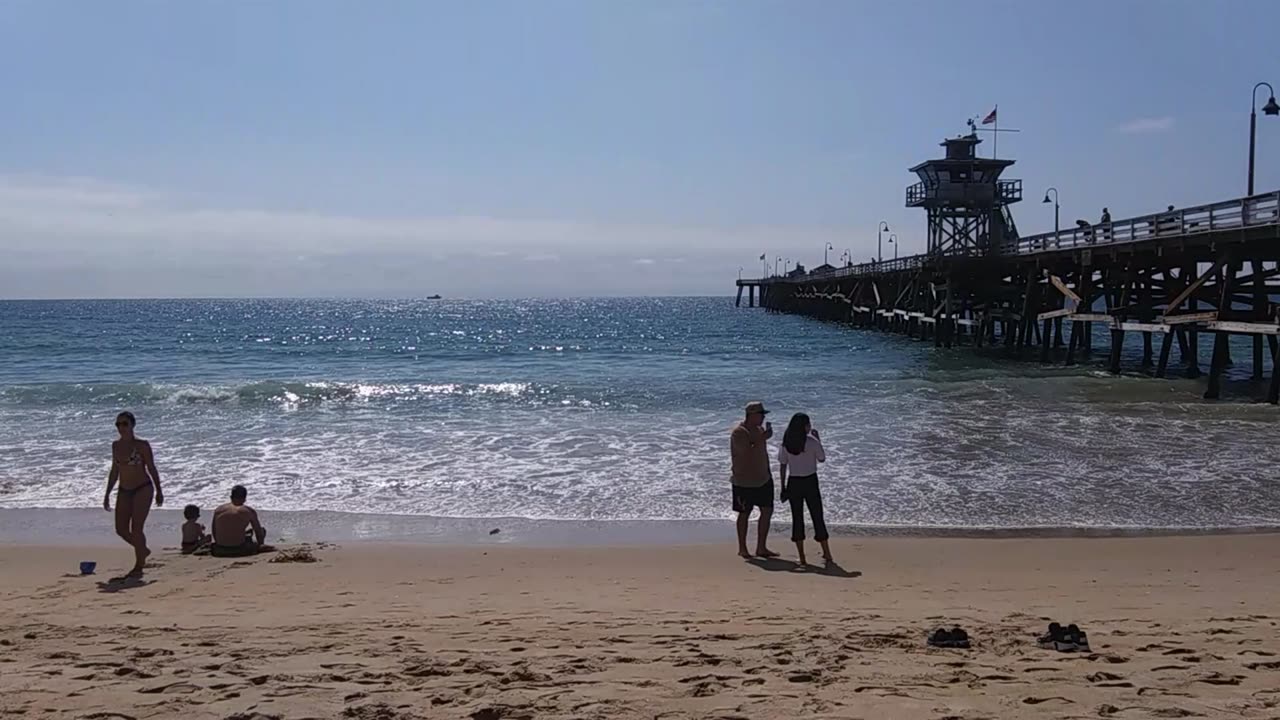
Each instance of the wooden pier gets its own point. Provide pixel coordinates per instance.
(1179, 276)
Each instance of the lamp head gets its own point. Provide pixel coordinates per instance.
(1271, 108)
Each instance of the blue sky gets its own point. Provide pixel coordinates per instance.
(567, 148)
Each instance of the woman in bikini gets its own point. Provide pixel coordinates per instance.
(134, 466)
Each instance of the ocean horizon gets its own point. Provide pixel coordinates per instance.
(602, 410)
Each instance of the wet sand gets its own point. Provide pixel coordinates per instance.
(1180, 627)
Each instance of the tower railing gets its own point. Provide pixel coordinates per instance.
(1007, 191)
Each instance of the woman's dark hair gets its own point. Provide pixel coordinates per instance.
(127, 416)
(794, 438)
(191, 512)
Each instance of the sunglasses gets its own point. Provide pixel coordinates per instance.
(123, 423)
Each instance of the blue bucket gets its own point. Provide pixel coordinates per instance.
(86, 568)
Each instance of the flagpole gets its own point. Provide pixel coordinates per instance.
(995, 141)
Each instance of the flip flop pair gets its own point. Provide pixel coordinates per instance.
(1064, 639)
(953, 638)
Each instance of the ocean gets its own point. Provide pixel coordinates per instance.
(612, 410)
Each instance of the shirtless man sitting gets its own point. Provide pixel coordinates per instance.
(236, 530)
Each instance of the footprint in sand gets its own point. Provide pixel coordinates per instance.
(178, 688)
(1040, 700)
(881, 690)
(1220, 679)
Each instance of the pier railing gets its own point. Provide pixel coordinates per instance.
(1255, 211)
(1247, 212)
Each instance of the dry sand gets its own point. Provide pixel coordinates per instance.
(1180, 627)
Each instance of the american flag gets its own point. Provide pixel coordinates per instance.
(990, 118)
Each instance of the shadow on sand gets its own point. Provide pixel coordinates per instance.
(119, 584)
(780, 565)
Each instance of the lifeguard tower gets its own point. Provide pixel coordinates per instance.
(967, 202)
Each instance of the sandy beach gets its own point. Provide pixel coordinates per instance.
(1179, 626)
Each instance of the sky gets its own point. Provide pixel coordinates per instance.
(579, 147)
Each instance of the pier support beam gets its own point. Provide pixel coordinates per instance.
(1166, 344)
(1117, 346)
(1147, 313)
(1259, 310)
(1273, 391)
(1193, 335)
(1221, 339)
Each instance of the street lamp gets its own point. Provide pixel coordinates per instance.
(1271, 108)
(893, 240)
(786, 266)
(824, 253)
(1053, 190)
(884, 228)
(775, 265)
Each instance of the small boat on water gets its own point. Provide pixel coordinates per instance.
(434, 297)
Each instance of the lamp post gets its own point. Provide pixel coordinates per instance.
(893, 240)
(884, 227)
(1271, 108)
(739, 272)
(1053, 190)
(786, 266)
(824, 253)
(775, 265)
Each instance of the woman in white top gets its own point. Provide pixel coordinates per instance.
(800, 453)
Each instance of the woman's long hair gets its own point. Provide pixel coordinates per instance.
(797, 432)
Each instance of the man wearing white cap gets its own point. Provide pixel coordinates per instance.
(752, 478)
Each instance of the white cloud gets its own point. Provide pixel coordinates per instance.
(1147, 125)
(76, 237)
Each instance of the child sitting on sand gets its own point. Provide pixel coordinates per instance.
(193, 534)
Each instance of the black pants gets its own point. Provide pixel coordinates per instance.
(803, 491)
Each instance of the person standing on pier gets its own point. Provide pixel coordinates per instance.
(1106, 224)
(751, 478)
(800, 453)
